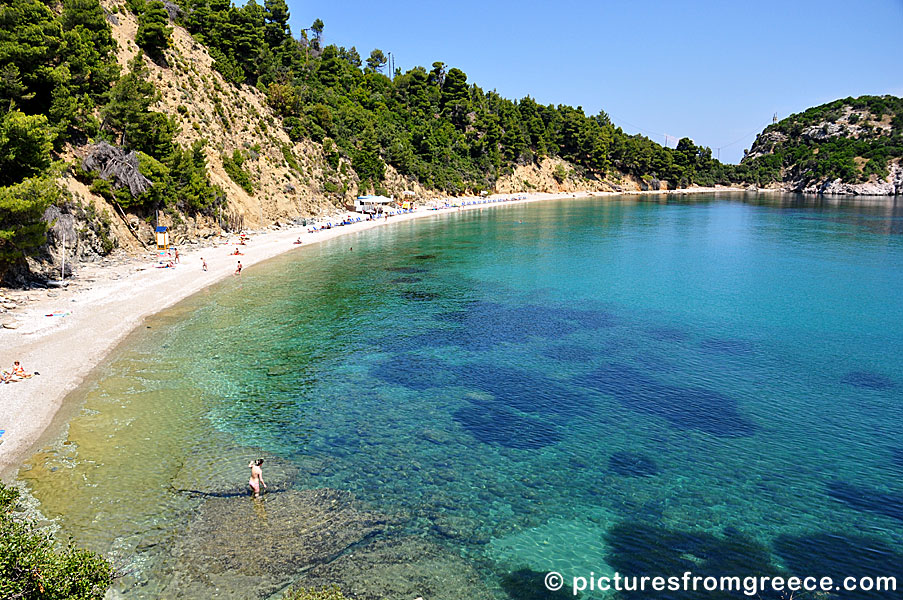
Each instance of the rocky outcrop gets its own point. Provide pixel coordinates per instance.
(892, 185)
(765, 144)
(830, 149)
(76, 233)
(240, 548)
(407, 567)
(546, 176)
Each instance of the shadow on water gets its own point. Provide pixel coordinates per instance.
(668, 334)
(868, 380)
(897, 457)
(502, 426)
(407, 270)
(526, 584)
(524, 390)
(568, 353)
(730, 347)
(838, 556)
(867, 499)
(632, 464)
(512, 323)
(226, 494)
(683, 407)
(413, 372)
(420, 295)
(641, 549)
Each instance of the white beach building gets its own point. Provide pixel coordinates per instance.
(372, 204)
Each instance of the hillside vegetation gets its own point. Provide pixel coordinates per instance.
(208, 116)
(219, 117)
(851, 141)
(427, 123)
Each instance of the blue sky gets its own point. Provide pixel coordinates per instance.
(712, 71)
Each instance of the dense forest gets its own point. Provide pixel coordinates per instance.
(428, 123)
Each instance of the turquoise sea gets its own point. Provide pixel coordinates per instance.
(645, 384)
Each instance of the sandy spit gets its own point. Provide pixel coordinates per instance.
(102, 311)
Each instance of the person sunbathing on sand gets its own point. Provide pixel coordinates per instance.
(17, 373)
(237, 253)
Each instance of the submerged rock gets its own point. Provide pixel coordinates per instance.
(526, 584)
(460, 528)
(244, 548)
(632, 464)
(408, 567)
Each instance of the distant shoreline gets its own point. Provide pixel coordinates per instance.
(65, 349)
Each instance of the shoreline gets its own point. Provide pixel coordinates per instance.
(100, 314)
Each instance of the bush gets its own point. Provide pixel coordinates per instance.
(233, 166)
(32, 566)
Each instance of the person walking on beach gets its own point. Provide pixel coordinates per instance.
(177, 256)
(203, 263)
(256, 477)
(238, 268)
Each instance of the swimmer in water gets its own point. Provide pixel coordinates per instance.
(256, 477)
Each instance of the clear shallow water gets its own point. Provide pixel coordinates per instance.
(651, 385)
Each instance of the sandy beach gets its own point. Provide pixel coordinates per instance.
(105, 303)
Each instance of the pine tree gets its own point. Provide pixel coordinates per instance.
(22, 228)
(154, 33)
(25, 145)
(30, 40)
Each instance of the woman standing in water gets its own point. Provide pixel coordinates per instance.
(256, 476)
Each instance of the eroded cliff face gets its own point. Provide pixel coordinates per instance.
(554, 175)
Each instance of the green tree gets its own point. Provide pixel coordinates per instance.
(30, 41)
(189, 185)
(88, 71)
(317, 28)
(233, 166)
(25, 145)
(277, 15)
(377, 60)
(22, 231)
(89, 47)
(128, 113)
(366, 160)
(154, 33)
(455, 98)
